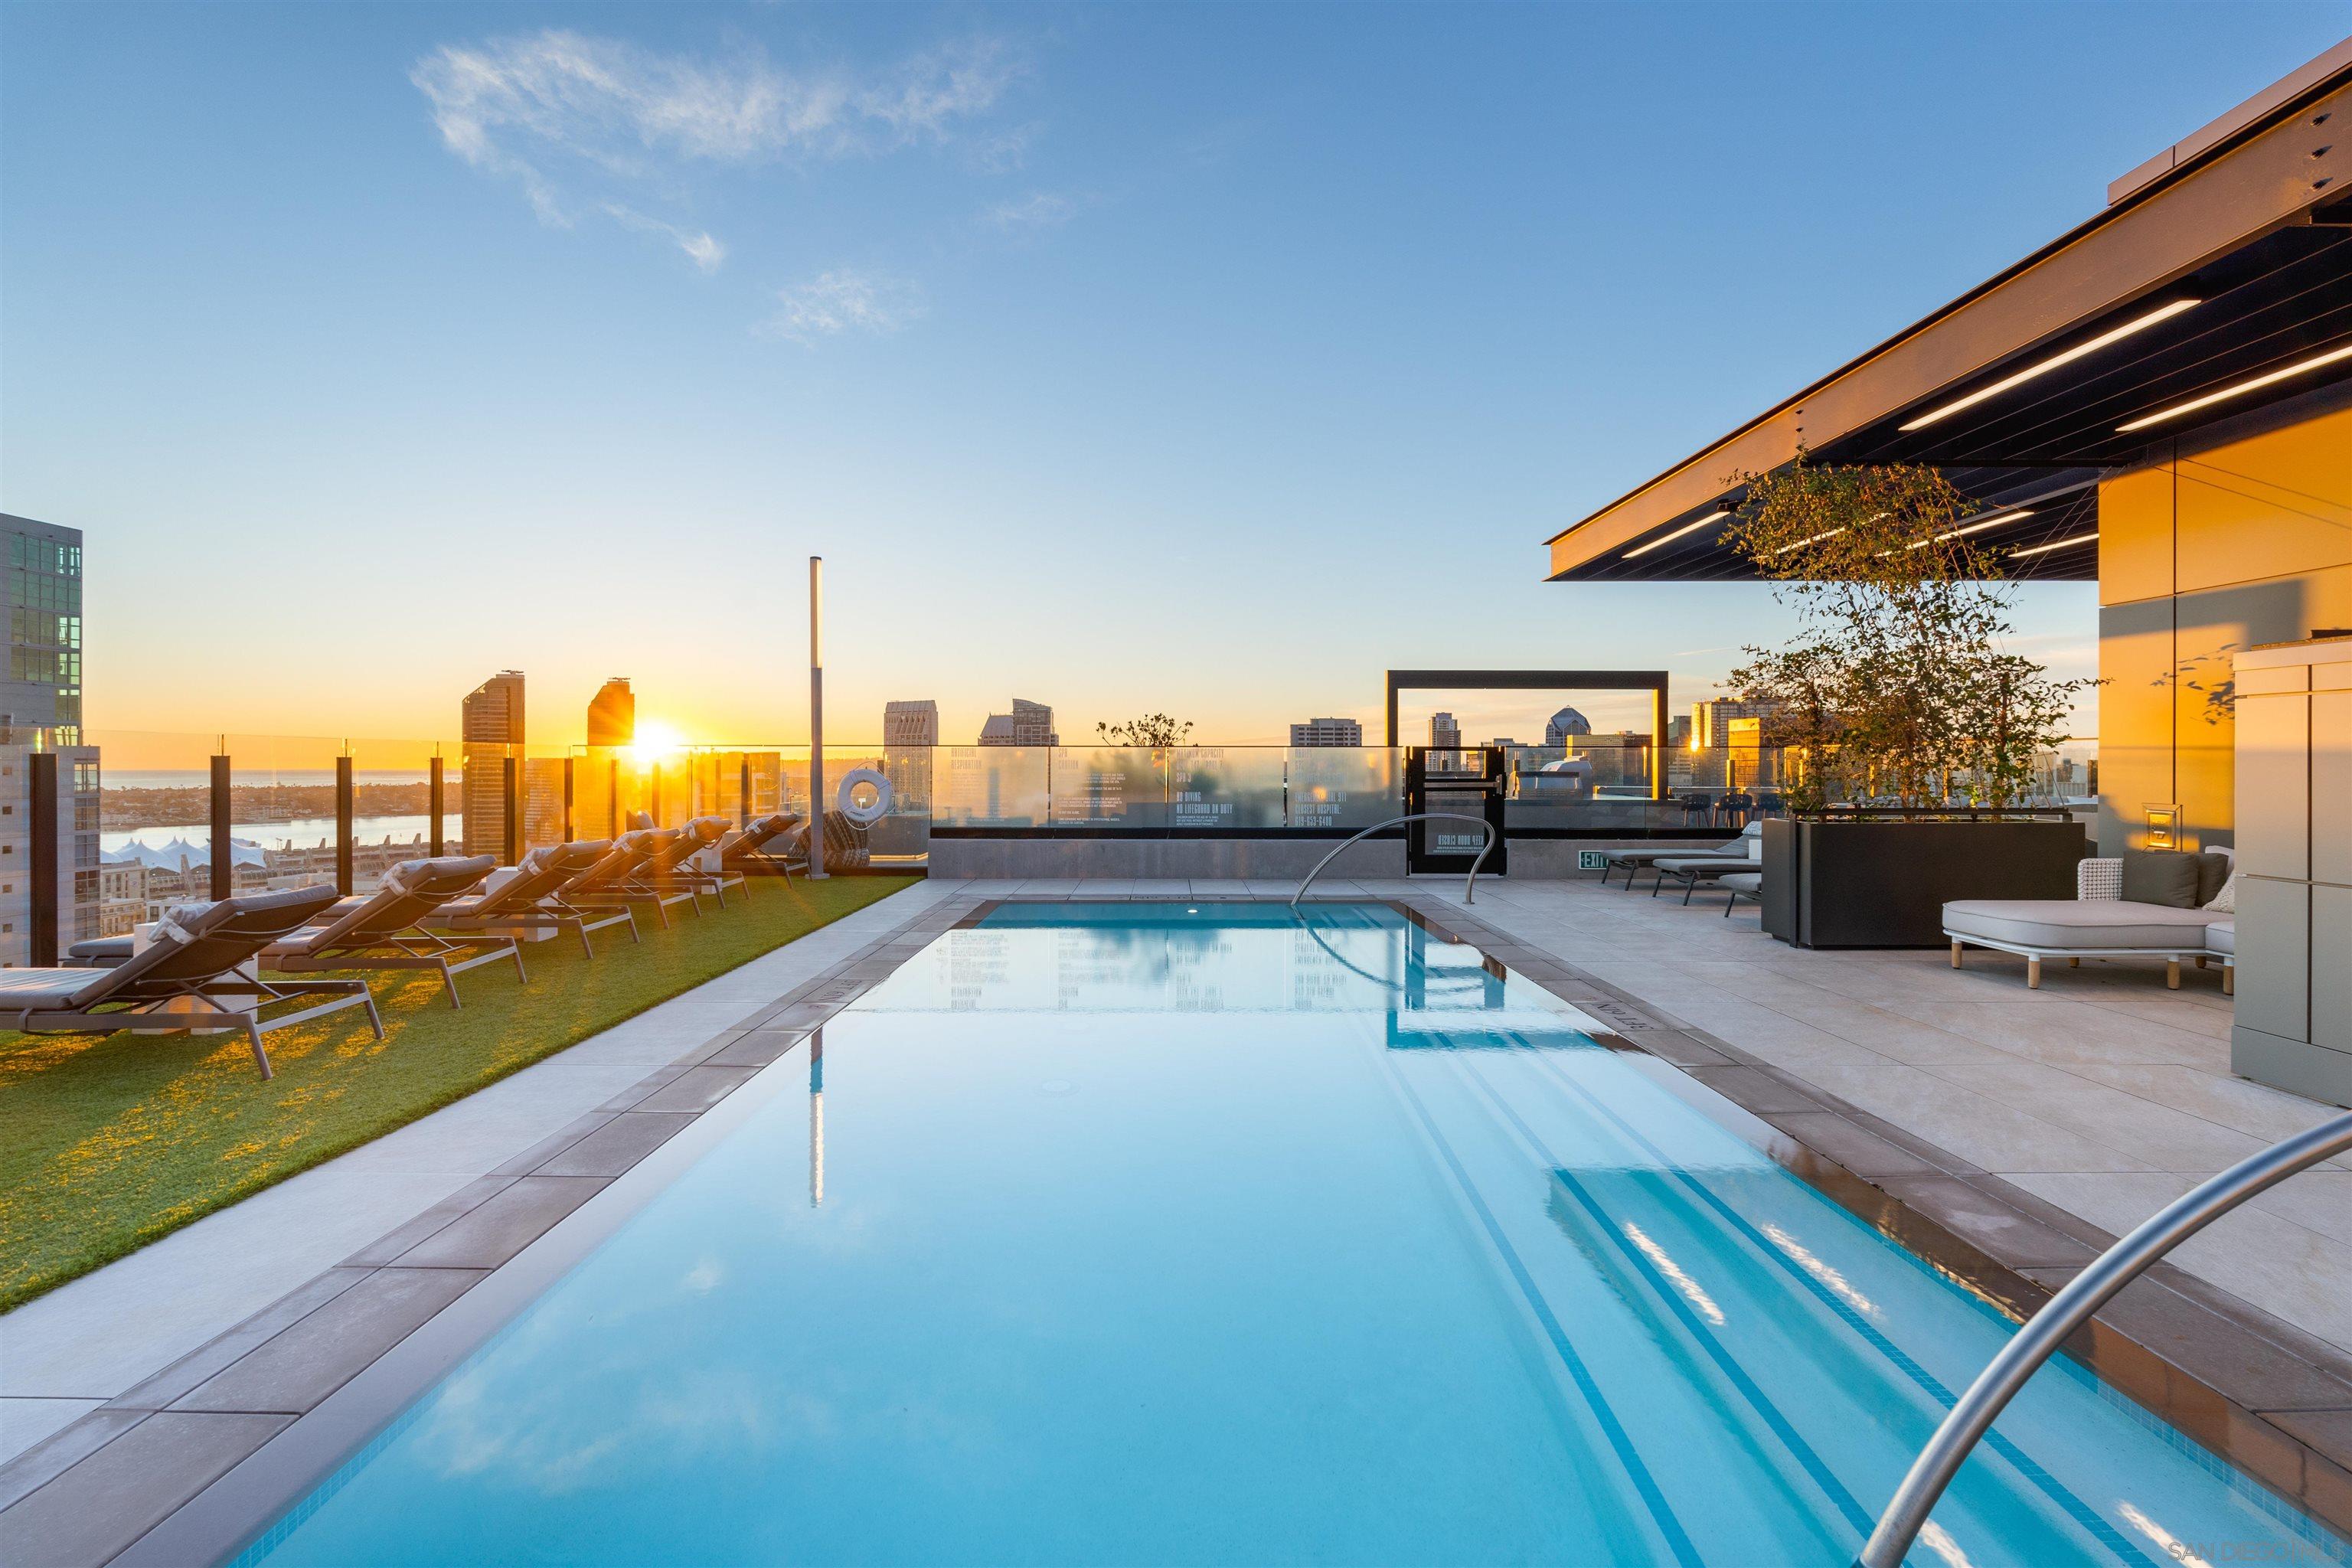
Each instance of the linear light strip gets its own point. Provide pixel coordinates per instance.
(1687, 528)
(1960, 532)
(1816, 539)
(2055, 544)
(2138, 323)
(2313, 362)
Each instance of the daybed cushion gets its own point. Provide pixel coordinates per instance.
(2061, 925)
(1746, 881)
(2222, 937)
(2166, 877)
(2213, 868)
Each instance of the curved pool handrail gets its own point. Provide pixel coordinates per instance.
(2069, 1309)
(1467, 896)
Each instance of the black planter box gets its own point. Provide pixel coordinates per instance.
(1884, 884)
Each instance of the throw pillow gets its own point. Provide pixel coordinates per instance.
(2164, 877)
(2225, 902)
(2213, 869)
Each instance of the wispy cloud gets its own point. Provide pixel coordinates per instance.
(1040, 209)
(556, 111)
(844, 301)
(701, 246)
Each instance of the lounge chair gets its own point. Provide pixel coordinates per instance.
(544, 894)
(1746, 853)
(386, 931)
(1738, 885)
(1635, 860)
(631, 872)
(2098, 922)
(192, 975)
(379, 932)
(688, 871)
(745, 850)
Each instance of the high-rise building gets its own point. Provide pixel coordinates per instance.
(909, 733)
(1029, 724)
(40, 709)
(43, 689)
(1444, 733)
(1328, 733)
(1711, 720)
(613, 714)
(910, 724)
(1568, 721)
(491, 722)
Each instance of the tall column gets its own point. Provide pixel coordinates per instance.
(816, 717)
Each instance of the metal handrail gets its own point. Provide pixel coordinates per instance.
(2069, 1309)
(1467, 897)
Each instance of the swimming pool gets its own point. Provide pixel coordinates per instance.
(1136, 1233)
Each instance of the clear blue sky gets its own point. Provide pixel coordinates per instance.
(1206, 359)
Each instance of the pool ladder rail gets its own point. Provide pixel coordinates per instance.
(1468, 896)
(2039, 1339)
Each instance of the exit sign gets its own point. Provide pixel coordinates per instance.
(1593, 860)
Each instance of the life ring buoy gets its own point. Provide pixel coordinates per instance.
(846, 798)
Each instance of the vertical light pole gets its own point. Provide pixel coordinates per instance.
(816, 717)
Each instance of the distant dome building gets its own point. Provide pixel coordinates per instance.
(1566, 722)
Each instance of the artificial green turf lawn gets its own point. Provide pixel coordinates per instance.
(115, 1140)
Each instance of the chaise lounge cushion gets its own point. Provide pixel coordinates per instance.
(2167, 876)
(2222, 937)
(2059, 924)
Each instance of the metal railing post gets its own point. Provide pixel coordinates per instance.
(511, 790)
(2069, 1309)
(343, 824)
(744, 794)
(436, 799)
(613, 798)
(221, 854)
(567, 800)
(42, 787)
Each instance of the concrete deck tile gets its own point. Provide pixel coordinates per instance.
(2164, 1138)
(93, 1337)
(478, 1134)
(384, 1248)
(1865, 1154)
(757, 1049)
(554, 1144)
(295, 1369)
(47, 1456)
(2001, 1232)
(698, 1089)
(505, 1225)
(26, 1424)
(1984, 1131)
(1755, 1089)
(617, 1145)
(224, 1349)
(2255, 1254)
(96, 1509)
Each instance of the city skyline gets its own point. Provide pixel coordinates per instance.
(944, 316)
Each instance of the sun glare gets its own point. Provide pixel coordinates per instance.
(655, 741)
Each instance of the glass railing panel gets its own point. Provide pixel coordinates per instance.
(282, 823)
(392, 807)
(1228, 787)
(990, 786)
(152, 789)
(1108, 787)
(1343, 789)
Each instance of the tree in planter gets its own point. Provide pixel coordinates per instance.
(1898, 679)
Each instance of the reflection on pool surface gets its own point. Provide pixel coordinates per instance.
(1130, 1234)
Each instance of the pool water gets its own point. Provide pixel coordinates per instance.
(1139, 1233)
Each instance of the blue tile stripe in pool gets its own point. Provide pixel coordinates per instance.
(1994, 1441)
(1137, 1234)
(1662, 1513)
